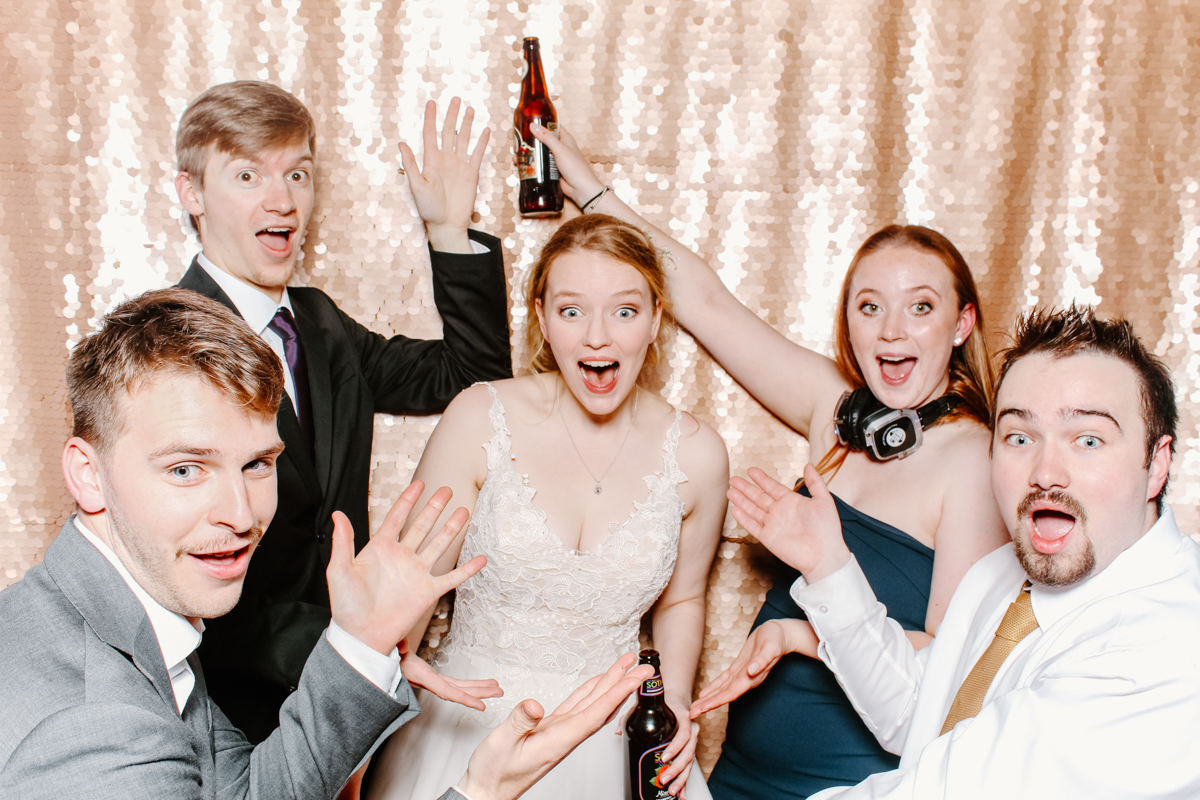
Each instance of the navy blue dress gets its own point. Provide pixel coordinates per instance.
(796, 733)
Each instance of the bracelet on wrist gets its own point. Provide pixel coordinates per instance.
(590, 204)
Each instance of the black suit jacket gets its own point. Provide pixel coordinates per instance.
(254, 655)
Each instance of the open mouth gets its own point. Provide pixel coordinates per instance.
(1051, 529)
(600, 377)
(224, 564)
(896, 369)
(276, 239)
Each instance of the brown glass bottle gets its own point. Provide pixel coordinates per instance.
(540, 196)
(651, 727)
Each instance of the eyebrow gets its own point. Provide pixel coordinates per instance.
(626, 293)
(910, 290)
(208, 452)
(1071, 413)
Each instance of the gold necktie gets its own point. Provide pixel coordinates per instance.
(1018, 623)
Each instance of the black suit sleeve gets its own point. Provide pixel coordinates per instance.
(422, 376)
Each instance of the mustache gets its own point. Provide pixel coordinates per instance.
(1056, 496)
(222, 544)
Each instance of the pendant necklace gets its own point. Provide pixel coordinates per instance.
(597, 489)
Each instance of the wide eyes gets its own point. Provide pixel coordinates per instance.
(920, 308)
(185, 472)
(570, 312)
(298, 176)
(245, 176)
(1017, 439)
(573, 312)
(1088, 442)
(626, 313)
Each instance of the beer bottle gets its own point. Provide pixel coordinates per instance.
(540, 196)
(651, 727)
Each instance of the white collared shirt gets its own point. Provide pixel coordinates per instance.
(258, 310)
(178, 637)
(1100, 701)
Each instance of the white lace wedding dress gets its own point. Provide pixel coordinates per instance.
(541, 619)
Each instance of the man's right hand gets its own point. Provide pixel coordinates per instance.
(380, 594)
(528, 744)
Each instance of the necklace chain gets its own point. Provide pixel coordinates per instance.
(598, 488)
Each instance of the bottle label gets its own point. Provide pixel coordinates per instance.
(652, 687)
(650, 766)
(535, 162)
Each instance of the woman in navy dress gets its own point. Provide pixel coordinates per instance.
(909, 330)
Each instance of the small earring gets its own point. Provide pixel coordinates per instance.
(957, 342)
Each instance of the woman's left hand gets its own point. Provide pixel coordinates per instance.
(681, 752)
(469, 693)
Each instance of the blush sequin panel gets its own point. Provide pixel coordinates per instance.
(1055, 142)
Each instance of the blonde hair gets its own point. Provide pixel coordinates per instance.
(597, 233)
(242, 118)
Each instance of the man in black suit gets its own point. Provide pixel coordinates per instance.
(246, 157)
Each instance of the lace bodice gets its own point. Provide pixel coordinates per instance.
(541, 613)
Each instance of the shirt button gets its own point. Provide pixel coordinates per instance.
(824, 609)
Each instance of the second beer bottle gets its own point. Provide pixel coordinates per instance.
(540, 196)
(651, 727)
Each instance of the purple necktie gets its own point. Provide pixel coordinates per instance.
(285, 325)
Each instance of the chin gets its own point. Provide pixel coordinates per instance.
(1059, 569)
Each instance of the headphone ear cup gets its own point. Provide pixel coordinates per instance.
(852, 413)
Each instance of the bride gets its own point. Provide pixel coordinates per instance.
(594, 500)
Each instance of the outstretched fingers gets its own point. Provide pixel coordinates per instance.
(450, 125)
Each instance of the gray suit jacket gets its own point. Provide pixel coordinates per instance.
(87, 708)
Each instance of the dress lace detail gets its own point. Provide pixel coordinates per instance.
(543, 617)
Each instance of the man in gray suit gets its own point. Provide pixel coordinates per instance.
(172, 467)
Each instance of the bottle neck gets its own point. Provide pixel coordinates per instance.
(535, 79)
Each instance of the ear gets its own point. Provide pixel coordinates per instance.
(81, 468)
(541, 315)
(190, 195)
(657, 320)
(1160, 467)
(966, 322)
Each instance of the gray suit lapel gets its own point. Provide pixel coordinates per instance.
(107, 604)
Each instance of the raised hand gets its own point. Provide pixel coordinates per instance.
(468, 693)
(380, 594)
(762, 650)
(529, 744)
(579, 183)
(444, 186)
(804, 533)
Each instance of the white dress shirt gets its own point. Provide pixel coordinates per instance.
(1101, 701)
(258, 310)
(178, 637)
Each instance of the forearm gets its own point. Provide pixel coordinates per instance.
(678, 631)
(872, 656)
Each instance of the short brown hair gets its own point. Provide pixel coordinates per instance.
(1073, 330)
(241, 118)
(169, 330)
(597, 233)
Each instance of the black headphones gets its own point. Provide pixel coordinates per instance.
(864, 423)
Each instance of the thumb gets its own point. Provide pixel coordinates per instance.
(525, 717)
(817, 488)
(341, 553)
(409, 161)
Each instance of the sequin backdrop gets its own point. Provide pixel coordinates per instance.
(1054, 142)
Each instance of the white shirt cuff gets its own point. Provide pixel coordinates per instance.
(460, 791)
(839, 599)
(381, 670)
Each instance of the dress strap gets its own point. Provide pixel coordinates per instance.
(499, 446)
(671, 451)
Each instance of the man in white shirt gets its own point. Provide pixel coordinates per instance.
(172, 467)
(1096, 694)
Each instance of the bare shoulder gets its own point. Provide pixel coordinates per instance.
(963, 449)
(703, 456)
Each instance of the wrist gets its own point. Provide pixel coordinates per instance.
(828, 565)
(448, 238)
